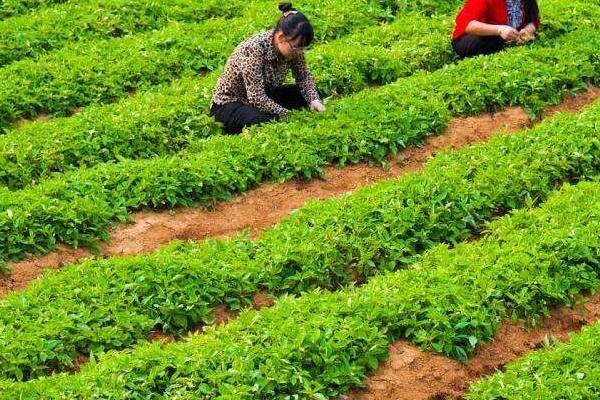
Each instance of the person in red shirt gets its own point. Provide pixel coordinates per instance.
(485, 26)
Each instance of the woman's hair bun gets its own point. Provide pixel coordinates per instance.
(285, 7)
(294, 25)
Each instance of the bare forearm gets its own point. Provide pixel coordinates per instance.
(505, 32)
(530, 28)
(482, 29)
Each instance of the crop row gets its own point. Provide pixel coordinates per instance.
(320, 344)
(324, 245)
(563, 371)
(9, 8)
(77, 207)
(180, 111)
(164, 121)
(53, 28)
(104, 71)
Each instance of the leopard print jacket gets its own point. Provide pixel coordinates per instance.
(254, 68)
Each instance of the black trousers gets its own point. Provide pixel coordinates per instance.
(235, 116)
(473, 45)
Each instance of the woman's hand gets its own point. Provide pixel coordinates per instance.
(508, 33)
(316, 105)
(527, 34)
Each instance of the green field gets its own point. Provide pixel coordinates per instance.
(104, 112)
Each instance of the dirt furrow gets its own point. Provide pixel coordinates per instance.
(411, 374)
(262, 207)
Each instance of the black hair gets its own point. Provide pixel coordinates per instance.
(294, 25)
(532, 11)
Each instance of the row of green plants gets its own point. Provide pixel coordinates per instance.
(53, 28)
(106, 70)
(78, 207)
(563, 371)
(320, 344)
(9, 8)
(323, 245)
(103, 71)
(164, 121)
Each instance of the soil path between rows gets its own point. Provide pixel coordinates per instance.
(411, 374)
(262, 207)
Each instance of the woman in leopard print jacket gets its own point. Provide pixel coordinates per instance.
(250, 91)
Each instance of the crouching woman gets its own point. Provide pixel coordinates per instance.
(251, 89)
(485, 26)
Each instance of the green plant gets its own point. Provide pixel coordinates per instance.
(179, 114)
(325, 245)
(565, 371)
(9, 8)
(167, 119)
(105, 71)
(77, 207)
(320, 344)
(49, 29)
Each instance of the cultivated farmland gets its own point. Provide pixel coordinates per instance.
(434, 234)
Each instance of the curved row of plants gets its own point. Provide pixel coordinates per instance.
(32, 36)
(166, 120)
(321, 344)
(78, 207)
(324, 245)
(105, 71)
(562, 371)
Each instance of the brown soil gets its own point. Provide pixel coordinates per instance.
(44, 117)
(75, 111)
(79, 362)
(26, 121)
(411, 374)
(262, 207)
(223, 314)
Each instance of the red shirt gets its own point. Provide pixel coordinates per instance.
(487, 11)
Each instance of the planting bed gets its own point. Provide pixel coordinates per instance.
(434, 234)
